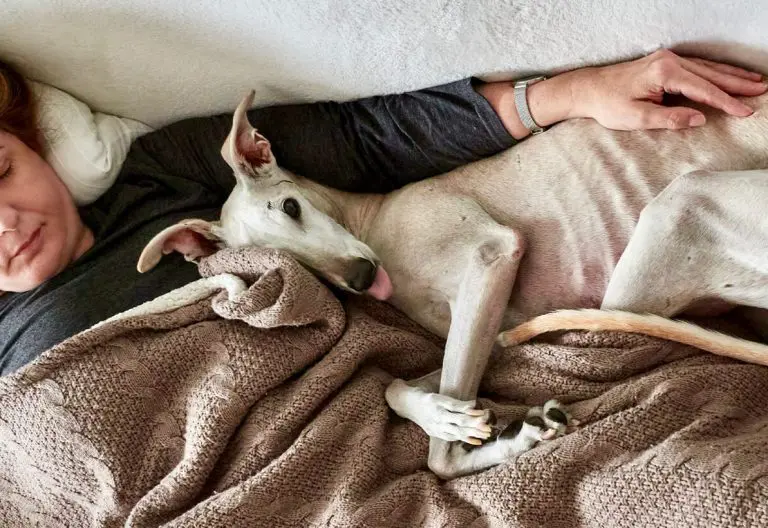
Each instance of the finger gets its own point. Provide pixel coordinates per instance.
(727, 68)
(652, 116)
(725, 81)
(702, 91)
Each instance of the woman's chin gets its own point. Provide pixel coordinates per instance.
(50, 260)
(43, 267)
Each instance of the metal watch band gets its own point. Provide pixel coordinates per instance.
(521, 103)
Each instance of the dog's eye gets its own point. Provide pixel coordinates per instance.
(291, 208)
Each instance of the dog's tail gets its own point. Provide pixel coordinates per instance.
(652, 325)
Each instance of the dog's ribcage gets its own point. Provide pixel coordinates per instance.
(574, 193)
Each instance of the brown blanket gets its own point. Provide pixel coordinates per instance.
(266, 408)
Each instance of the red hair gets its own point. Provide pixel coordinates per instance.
(18, 107)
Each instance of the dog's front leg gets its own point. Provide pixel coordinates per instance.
(476, 314)
(484, 282)
(449, 416)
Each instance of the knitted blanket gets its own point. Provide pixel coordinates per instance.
(254, 397)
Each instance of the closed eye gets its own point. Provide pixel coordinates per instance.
(7, 172)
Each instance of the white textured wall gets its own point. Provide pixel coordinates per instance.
(157, 61)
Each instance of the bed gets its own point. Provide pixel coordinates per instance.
(255, 396)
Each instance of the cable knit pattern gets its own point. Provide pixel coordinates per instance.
(267, 409)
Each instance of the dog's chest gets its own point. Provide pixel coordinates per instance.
(427, 253)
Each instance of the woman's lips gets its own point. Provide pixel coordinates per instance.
(31, 245)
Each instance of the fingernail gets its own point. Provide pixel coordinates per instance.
(697, 120)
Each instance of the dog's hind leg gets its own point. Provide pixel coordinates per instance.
(702, 241)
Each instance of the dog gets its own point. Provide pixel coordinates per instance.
(580, 217)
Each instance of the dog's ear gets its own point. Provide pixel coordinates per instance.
(192, 238)
(245, 150)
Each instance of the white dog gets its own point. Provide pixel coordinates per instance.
(579, 217)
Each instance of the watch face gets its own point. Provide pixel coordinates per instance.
(532, 79)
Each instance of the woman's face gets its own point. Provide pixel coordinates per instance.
(40, 229)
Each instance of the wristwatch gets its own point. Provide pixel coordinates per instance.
(521, 103)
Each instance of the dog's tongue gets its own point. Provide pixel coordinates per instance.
(381, 288)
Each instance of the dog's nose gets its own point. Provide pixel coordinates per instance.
(361, 275)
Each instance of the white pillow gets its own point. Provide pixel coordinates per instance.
(86, 149)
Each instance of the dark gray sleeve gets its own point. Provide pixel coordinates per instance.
(374, 144)
(380, 143)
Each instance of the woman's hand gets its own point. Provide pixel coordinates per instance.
(628, 95)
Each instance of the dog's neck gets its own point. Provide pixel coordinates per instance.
(353, 211)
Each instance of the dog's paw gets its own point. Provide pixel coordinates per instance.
(557, 421)
(541, 424)
(454, 420)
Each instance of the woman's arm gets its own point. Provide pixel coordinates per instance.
(375, 144)
(628, 95)
(381, 143)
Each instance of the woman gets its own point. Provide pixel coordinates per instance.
(65, 270)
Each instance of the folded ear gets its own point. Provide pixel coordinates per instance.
(192, 238)
(245, 150)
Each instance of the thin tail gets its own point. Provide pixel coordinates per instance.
(652, 325)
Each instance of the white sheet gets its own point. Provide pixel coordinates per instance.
(159, 61)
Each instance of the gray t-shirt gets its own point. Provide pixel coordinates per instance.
(370, 145)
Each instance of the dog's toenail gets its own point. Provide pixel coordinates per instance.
(549, 435)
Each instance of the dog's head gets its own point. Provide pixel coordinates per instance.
(270, 208)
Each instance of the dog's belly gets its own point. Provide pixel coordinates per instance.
(576, 193)
(573, 241)
(576, 215)
(570, 257)
(551, 278)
